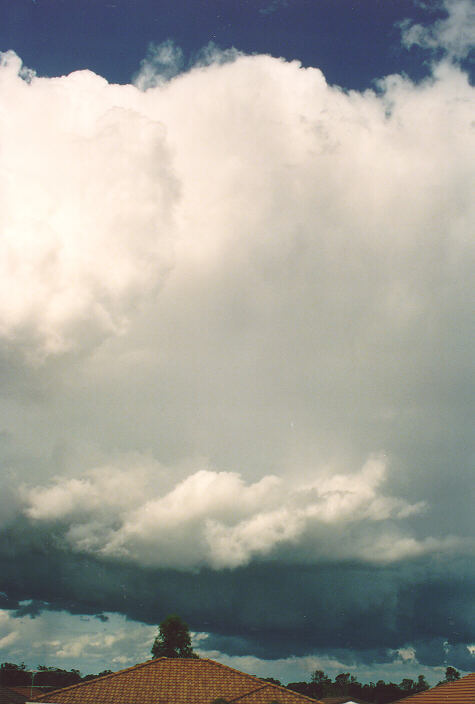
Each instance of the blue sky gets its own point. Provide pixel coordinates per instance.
(352, 42)
(235, 335)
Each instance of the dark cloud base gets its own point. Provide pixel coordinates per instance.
(265, 609)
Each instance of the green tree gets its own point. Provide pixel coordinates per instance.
(343, 682)
(320, 684)
(451, 675)
(56, 677)
(14, 675)
(100, 674)
(300, 687)
(408, 685)
(422, 684)
(173, 640)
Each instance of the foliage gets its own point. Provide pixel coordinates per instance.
(12, 675)
(320, 684)
(100, 674)
(55, 677)
(173, 640)
(271, 680)
(451, 675)
(345, 684)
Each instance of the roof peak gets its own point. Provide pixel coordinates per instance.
(254, 683)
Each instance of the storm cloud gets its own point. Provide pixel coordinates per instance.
(352, 611)
(236, 337)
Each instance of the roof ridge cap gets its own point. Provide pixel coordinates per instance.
(102, 677)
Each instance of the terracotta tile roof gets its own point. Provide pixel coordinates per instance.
(174, 681)
(9, 696)
(28, 691)
(341, 700)
(461, 691)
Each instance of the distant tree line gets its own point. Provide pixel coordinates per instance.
(378, 693)
(174, 640)
(381, 692)
(47, 678)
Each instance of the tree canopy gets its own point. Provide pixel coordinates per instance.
(451, 675)
(173, 639)
(321, 685)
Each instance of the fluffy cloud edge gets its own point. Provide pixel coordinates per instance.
(214, 518)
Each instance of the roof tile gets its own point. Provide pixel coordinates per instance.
(174, 681)
(461, 691)
(9, 696)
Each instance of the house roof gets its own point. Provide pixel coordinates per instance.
(461, 691)
(341, 700)
(9, 696)
(27, 690)
(174, 681)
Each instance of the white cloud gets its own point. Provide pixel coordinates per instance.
(407, 654)
(455, 34)
(214, 518)
(111, 186)
(8, 639)
(86, 205)
(163, 61)
(62, 640)
(98, 490)
(259, 269)
(298, 669)
(166, 60)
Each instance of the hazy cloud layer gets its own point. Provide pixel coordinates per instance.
(236, 345)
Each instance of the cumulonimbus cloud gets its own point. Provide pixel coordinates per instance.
(111, 185)
(263, 270)
(317, 245)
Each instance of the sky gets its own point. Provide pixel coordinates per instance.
(236, 333)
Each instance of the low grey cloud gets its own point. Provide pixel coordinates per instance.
(372, 611)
